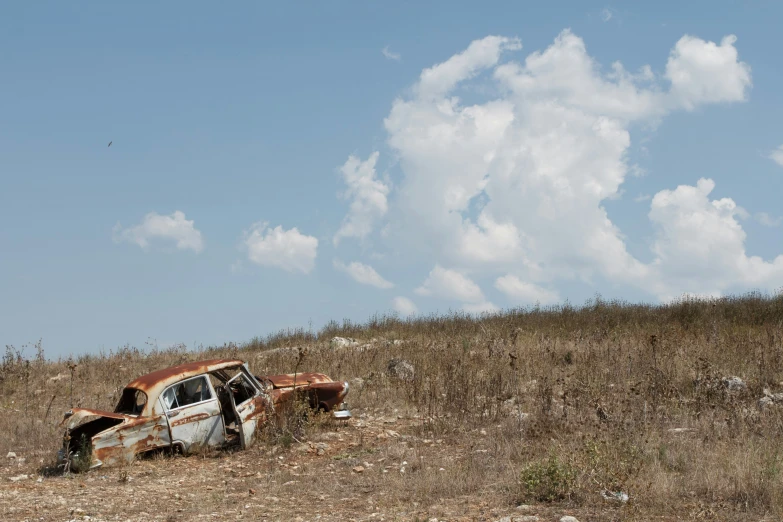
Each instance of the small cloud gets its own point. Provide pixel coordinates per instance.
(404, 306)
(287, 249)
(368, 196)
(642, 197)
(635, 170)
(236, 266)
(450, 284)
(606, 14)
(525, 292)
(169, 228)
(777, 155)
(769, 221)
(391, 55)
(364, 274)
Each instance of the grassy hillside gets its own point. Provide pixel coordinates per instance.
(564, 402)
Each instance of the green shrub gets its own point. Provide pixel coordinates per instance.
(547, 481)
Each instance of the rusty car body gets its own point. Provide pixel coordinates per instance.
(199, 404)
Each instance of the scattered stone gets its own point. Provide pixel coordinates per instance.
(11, 455)
(769, 399)
(568, 518)
(680, 430)
(18, 478)
(617, 496)
(358, 469)
(734, 384)
(400, 369)
(343, 342)
(252, 491)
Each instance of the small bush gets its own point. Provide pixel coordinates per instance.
(547, 481)
(82, 458)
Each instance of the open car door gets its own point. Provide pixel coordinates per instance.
(249, 403)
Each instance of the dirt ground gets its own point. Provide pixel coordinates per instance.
(348, 470)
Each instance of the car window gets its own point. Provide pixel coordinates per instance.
(187, 392)
(242, 389)
(132, 401)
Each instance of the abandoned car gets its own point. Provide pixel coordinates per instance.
(194, 405)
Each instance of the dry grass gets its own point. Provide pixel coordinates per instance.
(542, 406)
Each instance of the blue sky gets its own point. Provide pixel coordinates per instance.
(279, 166)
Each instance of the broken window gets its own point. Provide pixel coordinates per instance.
(131, 402)
(241, 388)
(185, 393)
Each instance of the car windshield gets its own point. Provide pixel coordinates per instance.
(132, 401)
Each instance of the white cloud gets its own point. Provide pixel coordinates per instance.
(167, 228)
(777, 155)
(450, 284)
(287, 249)
(391, 55)
(769, 221)
(367, 194)
(704, 72)
(404, 306)
(523, 292)
(439, 79)
(364, 274)
(516, 184)
(642, 198)
(606, 14)
(700, 246)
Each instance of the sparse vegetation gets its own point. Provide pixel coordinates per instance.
(547, 481)
(553, 405)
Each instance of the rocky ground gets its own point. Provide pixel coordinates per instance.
(353, 470)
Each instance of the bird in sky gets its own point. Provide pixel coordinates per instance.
(110, 143)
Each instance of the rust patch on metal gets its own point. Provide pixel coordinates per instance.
(183, 371)
(192, 418)
(301, 379)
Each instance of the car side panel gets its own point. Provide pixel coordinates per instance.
(121, 444)
(197, 426)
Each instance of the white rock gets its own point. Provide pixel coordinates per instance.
(734, 384)
(342, 342)
(11, 455)
(58, 377)
(18, 478)
(568, 518)
(618, 496)
(401, 369)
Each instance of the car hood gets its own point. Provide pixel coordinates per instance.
(75, 417)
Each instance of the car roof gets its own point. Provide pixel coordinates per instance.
(155, 382)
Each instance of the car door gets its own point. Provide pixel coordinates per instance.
(193, 414)
(246, 401)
